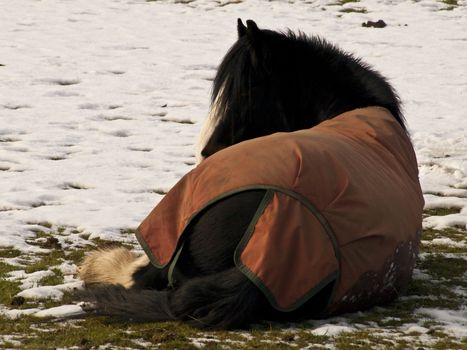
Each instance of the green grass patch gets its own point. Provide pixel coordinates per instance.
(96, 331)
(366, 340)
(441, 289)
(441, 211)
(76, 256)
(450, 2)
(68, 298)
(450, 270)
(46, 261)
(83, 235)
(456, 235)
(8, 289)
(106, 244)
(390, 316)
(354, 10)
(9, 139)
(44, 240)
(452, 233)
(5, 268)
(450, 343)
(52, 280)
(442, 249)
(9, 252)
(128, 231)
(45, 224)
(343, 2)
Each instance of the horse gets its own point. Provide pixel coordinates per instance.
(268, 82)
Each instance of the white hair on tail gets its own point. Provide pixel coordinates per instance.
(111, 266)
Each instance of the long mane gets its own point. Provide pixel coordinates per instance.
(281, 81)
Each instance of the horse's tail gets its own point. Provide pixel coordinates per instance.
(223, 300)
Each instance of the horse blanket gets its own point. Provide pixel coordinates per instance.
(343, 206)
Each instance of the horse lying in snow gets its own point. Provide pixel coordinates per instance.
(306, 202)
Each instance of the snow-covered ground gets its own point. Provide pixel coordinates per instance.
(101, 102)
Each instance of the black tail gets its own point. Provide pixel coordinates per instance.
(138, 305)
(223, 300)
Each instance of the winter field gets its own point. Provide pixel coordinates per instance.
(100, 106)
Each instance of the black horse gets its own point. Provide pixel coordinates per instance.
(268, 82)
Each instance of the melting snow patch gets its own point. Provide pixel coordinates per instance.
(247, 336)
(142, 343)
(445, 242)
(61, 311)
(455, 322)
(28, 280)
(67, 268)
(10, 339)
(434, 202)
(53, 292)
(44, 292)
(201, 342)
(442, 222)
(331, 330)
(14, 314)
(419, 275)
(415, 328)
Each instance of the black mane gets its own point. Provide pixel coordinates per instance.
(281, 81)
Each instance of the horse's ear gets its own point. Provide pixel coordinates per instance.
(253, 34)
(241, 29)
(252, 29)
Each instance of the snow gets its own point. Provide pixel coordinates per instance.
(44, 292)
(411, 328)
(331, 330)
(445, 242)
(101, 103)
(52, 292)
(61, 311)
(67, 269)
(454, 198)
(28, 280)
(18, 313)
(452, 220)
(200, 342)
(96, 98)
(455, 323)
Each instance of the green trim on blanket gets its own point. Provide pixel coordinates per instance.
(148, 251)
(170, 276)
(266, 200)
(257, 281)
